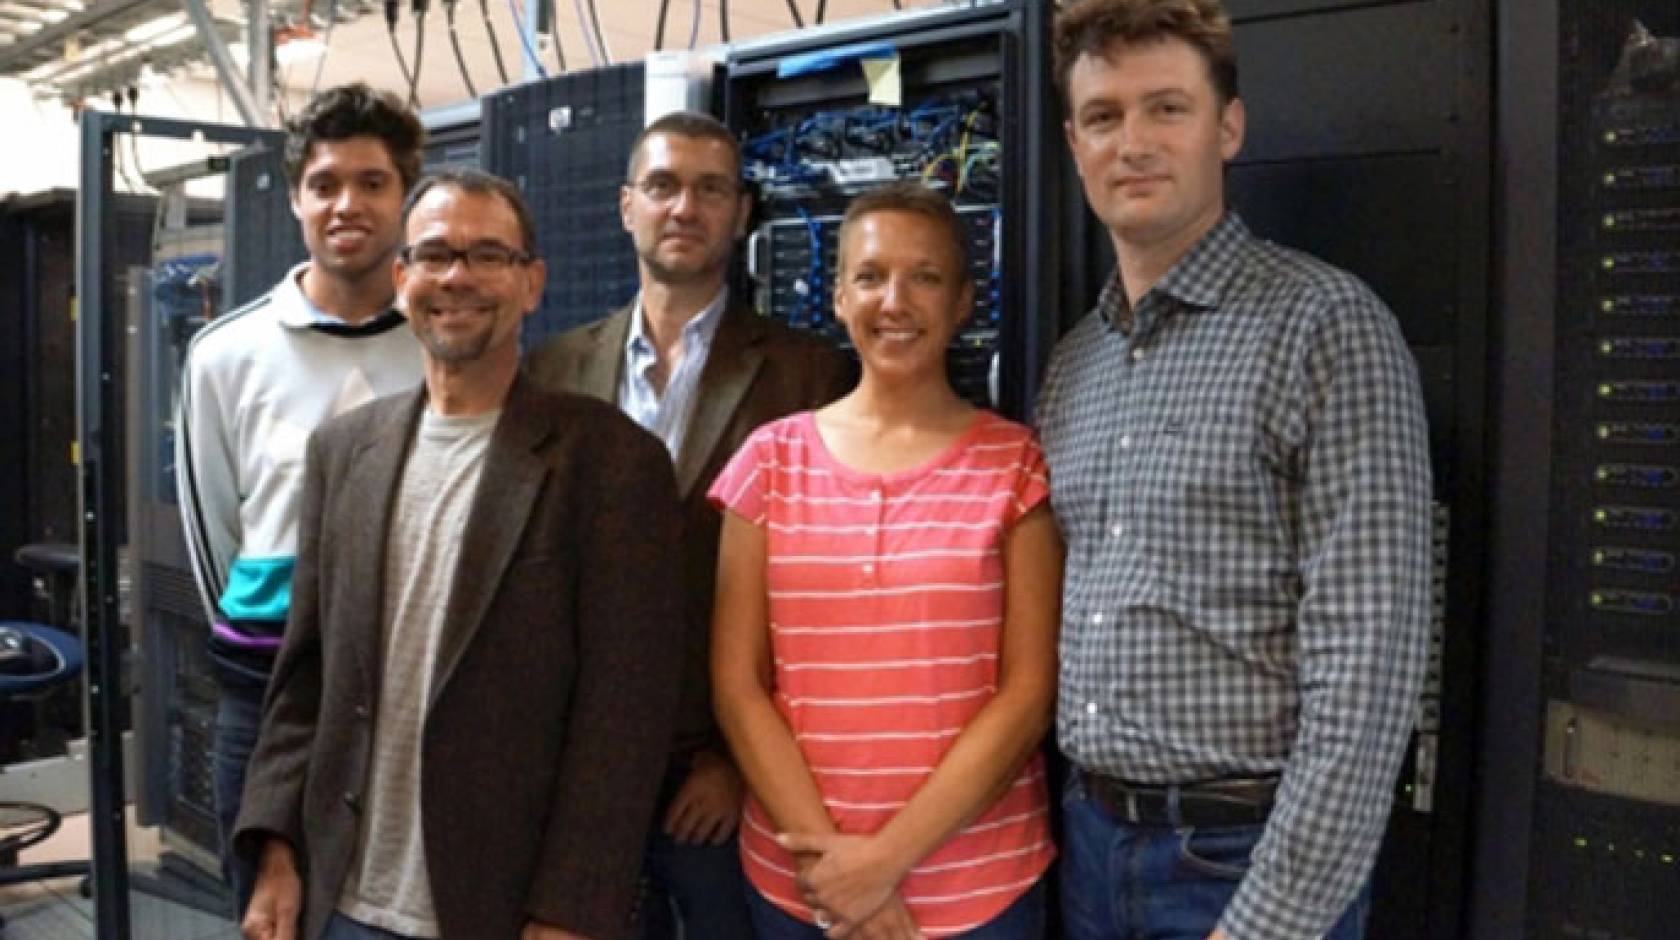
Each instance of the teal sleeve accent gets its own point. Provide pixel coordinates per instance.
(258, 589)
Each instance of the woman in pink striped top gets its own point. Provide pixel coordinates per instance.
(884, 650)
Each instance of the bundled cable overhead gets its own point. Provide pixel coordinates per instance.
(798, 21)
(723, 19)
(694, 27)
(822, 10)
(495, 47)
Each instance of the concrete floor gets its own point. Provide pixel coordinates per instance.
(55, 910)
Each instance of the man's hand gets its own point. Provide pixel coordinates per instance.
(849, 879)
(708, 807)
(277, 896)
(537, 931)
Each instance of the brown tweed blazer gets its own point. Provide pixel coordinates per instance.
(756, 372)
(552, 703)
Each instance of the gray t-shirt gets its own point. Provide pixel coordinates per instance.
(388, 886)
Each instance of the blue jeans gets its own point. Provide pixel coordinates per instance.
(696, 892)
(1022, 920)
(340, 927)
(238, 719)
(1121, 881)
(698, 886)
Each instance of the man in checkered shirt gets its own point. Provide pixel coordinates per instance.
(1240, 467)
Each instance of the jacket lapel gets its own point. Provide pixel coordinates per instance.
(601, 367)
(731, 365)
(362, 519)
(508, 485)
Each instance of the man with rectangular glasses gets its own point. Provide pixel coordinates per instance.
(471, 711)
(700, 369)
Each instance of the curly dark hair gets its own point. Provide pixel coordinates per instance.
(355, 110)
(1095, 27)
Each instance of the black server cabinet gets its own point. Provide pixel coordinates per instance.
(973, 121)
(564, 143)
(1606, 830)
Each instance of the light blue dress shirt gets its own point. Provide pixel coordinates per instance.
(667, 415)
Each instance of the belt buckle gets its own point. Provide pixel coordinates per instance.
(1132, 807)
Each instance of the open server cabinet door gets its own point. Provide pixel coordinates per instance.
(972, 116)
(142, 622)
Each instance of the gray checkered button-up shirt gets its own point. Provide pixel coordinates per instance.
(1243, 483)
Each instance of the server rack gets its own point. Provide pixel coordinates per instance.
(974, 120)
(1606, 832)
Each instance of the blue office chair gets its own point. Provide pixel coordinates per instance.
(33, 658)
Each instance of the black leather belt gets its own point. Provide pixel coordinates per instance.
(1235, 802)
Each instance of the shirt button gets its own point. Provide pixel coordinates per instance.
(1137, 354)
(868, 568)
(1117, 530)
(1125, 440)
(1096, 617)
(1090, 708)
(875, 495)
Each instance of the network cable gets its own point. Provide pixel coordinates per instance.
(554, 29)
(583, 28)
(455, 44)
(525, 39)
(659, 29)
(495, 46)
(600, 37)
(419, 9)
(798, 21)
(391, 7)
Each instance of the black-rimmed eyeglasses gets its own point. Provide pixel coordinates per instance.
(480, 257)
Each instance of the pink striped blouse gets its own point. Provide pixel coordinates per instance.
(886, 614)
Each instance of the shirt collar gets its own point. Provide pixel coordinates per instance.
(298, 312)
(702, 327)
(1198, 280)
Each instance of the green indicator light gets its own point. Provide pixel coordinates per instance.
(1639, 853)
(1609, 137)
(1607, 263)
(1597, 599)
(1607, 305)
(1605, 348)
(1580, 842)
(1603, 431)
(1601, 474)
(1609, 221)
(1598, 515)
(1611, 848)
(1609, 179)
(1667, 859)
(1604, 391)
(1598, 558)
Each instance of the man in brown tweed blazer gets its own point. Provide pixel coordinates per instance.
(472, 708)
